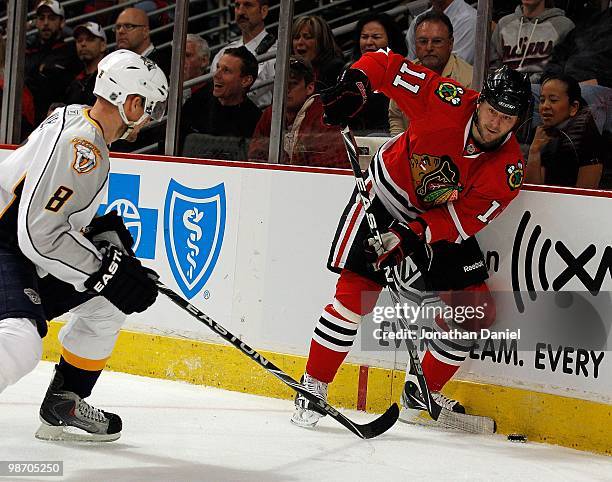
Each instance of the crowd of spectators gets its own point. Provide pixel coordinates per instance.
(566, 50)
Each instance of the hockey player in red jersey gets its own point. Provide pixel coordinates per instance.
(434, 187)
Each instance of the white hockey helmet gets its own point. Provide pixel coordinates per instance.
(124, 72)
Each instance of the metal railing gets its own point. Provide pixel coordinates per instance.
(225, 27)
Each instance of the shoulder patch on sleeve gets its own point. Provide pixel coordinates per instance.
(449, 92)
(515, 175)
(86, 155)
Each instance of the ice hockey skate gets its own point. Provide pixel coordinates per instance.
(414, 407)
(65, 416)
(306, 415)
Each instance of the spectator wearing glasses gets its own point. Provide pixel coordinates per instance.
(250, 17)
(567, 149)
(90, 42)
(308, 141)
(224, 110)
(313, 39)
(375, 31)
(463, 19)
(50, 63)
(434, 49)
(132, 33)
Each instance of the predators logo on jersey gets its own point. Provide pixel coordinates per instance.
(86, 155)
(437, 179)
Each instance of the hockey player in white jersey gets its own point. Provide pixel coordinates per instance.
(55, 257)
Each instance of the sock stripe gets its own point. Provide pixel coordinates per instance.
(446, 360)
(344, 312)
(336, 328)
(337, 319)
(330, 342)
(436, 349)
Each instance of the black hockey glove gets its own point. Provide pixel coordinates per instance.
(344, 101)
(123, 281)
(398, 242)
(110, 229)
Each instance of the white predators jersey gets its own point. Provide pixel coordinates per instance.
(50, 188)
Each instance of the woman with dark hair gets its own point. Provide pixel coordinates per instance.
(373, 32)
(377, 31)
(567, 149)
(314, 41)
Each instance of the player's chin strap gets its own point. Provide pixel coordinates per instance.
(130, 124)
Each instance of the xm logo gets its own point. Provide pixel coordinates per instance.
(194, 225)
(574, 264)
(123, 197)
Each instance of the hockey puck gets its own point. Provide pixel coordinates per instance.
(517, 437)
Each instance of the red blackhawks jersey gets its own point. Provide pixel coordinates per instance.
(435, 170)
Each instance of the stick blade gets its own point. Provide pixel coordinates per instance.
(380, 425)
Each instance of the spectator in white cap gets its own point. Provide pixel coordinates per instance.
(50, 63)
(91, 48)
(49, 19)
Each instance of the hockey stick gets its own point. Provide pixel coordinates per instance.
(365, 431)
(465, 422)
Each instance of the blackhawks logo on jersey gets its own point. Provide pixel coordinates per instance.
(437, 179)
(515, 175)
(86, 155)
(450, 93)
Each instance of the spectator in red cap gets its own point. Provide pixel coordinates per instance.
(91, 48)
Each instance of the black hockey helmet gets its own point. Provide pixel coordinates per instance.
(507, 91)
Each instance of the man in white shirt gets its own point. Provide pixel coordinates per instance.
(463, 18)
(250, 16)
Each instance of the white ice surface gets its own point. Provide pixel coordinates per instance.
(179, 432)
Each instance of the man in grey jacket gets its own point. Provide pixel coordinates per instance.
(524, 40)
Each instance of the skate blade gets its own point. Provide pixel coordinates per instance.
(71, 434)
(298, 420)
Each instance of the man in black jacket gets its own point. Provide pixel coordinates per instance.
(91, 48)
(223, 110)
(50, 63)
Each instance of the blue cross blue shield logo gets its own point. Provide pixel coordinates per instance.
(194, 225)
(124, 197)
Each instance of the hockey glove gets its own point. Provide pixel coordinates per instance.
(344, 101)
(123, 281)
(398, 242)
(109, 229)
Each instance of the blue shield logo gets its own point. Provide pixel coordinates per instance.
(194, 225)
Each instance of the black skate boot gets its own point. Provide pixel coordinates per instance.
(414, 407)
(67, 417)
(306, 414)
